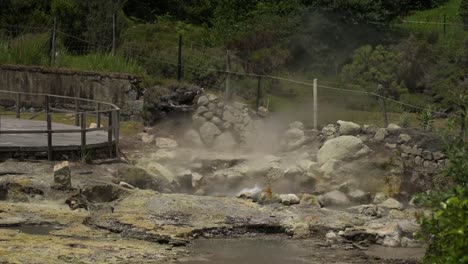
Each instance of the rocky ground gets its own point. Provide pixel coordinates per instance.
(339, 191)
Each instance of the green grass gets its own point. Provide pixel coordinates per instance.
(453, 37)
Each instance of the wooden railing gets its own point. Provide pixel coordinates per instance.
(58, 104)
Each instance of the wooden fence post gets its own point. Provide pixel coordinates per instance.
(315, 104)
(18, 105)
(116, 125)
(114, 32)
(259, 92)
(98, 114)
(227, 92)
(109, 134)
(52, 43)
(83, 136)
(382, 104)
(50, 154)
(179, 60)
(77, 110)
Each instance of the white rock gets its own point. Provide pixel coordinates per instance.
(147, 138)
(159, 169)
(329, 168)
(404, 138)
(348, 128)
(196, 178)
(164, 143)
(380, 198)
(93, 125)
(342, 148)
(62, 175)
(331, 235)
(329, 131)
(309, 200)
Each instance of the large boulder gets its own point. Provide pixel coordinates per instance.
(348, 128)
(193, 139)
(342, 148)
(208, 132)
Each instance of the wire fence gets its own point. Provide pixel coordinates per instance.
(218, 70)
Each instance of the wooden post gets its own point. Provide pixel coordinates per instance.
(445, 25)
(50, 154)
(114, 31)
(98, 114)
(77, 110)
(259, 92)
(47, 104)
(109, 134)
(18, 105)
(52, 43)
(382, 103)
(179, 61)
(315, 104)
(116, 125)
(83, 136)
(227, 92)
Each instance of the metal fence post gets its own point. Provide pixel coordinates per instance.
(109, 134)
(18, 105)
(382, 104)
(52, 43)
(259, 92)
(77, 110)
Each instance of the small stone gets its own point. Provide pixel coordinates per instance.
(391, 203)
(380, 197)
(196, 178)
(201, 110)
(93, 125)
(202, 100)
(408, 242)
(147, 138)
(393, 128)
(404, 138)
(418, 161)
(198, 121)
(359, 196)
(212, 107)
(309, 200)
(380, 134)
(427, 155)
(200, 192)
(391, 146)
(331, 236)
(438, 155)
(289, 199)
(208, 132)
(126, 185)
(212, 98)
(164, 143)
(208, 115)
(62, 176)
(406, 149)
(333, 198)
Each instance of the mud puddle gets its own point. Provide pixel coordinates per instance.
(395, 253)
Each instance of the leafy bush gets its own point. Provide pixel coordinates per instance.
(464, 10)
(426, 119)
(405, 120)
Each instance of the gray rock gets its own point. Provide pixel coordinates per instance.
(359, 196)
(380, 198)
(229, 117)
(297, 124)
(208, 115)
(329, 168)
(126, 185)
(196, 179)
(203, 100)
(62, 176)
(159, 169)
(164, 143)
(404, 138)
(391, 234)
(411, 243)
(393, 128)
(391, 146)
(418, 161)
(212, 98)
(380, 134)
(406, 149)
(198, 121)
(438, 155)
(391, 203)
(147, 138)
(201, 110)
(218, 122)
(427, 155)
(163, 155)
(370, 129)
(333, 198)
(208, 132)
(212, 107)
(331, 236)
(329, 131)
(342, 148)
(225, 142)
(348, 128)
(309, 200)
(193, 139)
(289, 199)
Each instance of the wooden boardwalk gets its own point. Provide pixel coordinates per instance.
(38, 142)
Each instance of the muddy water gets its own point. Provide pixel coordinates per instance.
(281, 250)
